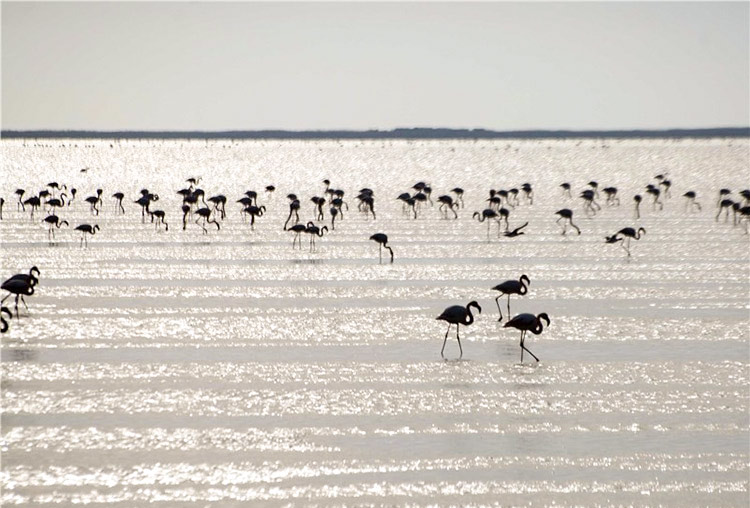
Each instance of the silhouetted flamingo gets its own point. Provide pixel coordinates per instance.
(627, 234)
(29, 278)
(724, 206)
(293, 210)
(334, 212)
(528, 323)
(20, 193)
(446, 203)
(254, 211)
(567, 214)
(588, 202)
(87, 229)
(205, 214)
(185, 213)
(20, 288)
(119, 196)
(650, 189)
(459, 192)
(516, 232)
(611, 195)
(160, 218)
(528, 192)
(486, 215)
(457, 315)
(382, 239)
(53, 220)
(637, 199)
(297, 229)
(511, 287)
(313, 230)
(690, 201)
(566, 189)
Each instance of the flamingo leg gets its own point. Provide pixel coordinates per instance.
(24, 302)
(461, 351)
(17, 316)
(445, 340)
(508, 305)
(523, 347)
(497, 301)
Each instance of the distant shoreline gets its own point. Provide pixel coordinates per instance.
(405, 133)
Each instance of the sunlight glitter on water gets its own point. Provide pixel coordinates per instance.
(227, 368)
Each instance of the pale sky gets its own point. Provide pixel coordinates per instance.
(312, 66)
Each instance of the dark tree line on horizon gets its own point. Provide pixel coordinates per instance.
(401, 133)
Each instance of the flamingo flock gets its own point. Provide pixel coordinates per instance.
(499, 207)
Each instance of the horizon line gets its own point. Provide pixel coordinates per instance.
(396, 133)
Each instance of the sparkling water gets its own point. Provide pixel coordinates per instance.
(230, 369)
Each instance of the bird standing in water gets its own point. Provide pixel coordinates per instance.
(382, 239)
(528, 323)
(511, 287)
(627, 234)
(457, 315)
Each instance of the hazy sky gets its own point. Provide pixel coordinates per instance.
(274, 65)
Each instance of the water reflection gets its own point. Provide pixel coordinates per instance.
(20, 355)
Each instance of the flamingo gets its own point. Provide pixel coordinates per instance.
(459, 192)
(55, 202)
(637, 199)
(611, 194)
(19, 287)
(314, 231)
(35, 203)
(293, 210)
(588, 202)
(511, 287)
(160, 219)
(627, 234)
(690, 201)
(567, 213)
(28, 278)
(382, 239)
(334, 212)
(319, 202)
(119, 197)
(297, 229)
(528, 192)
(94, 201)
(53, 220)
(185, 213)
(528, 323)
(219, 201)
(87, 229)
(566, 190)
(205, 214)
(254, 211)
(5, 310)
(20, 193)
(457, 315)
(650, 189)
(447, 203)
(724, 206)
(487, 213)
(516, 232)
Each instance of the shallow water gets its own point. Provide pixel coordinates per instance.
(227, 368)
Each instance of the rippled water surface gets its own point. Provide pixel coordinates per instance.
(229, 369)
